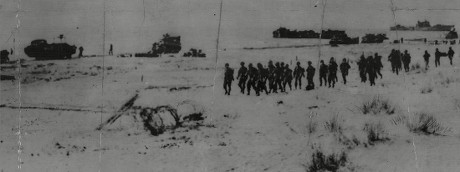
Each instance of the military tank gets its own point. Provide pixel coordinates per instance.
(41, 50)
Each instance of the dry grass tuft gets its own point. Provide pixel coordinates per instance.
(376, 106)
(334, 125)
(375, 132)
(422, 123)
(322, 162)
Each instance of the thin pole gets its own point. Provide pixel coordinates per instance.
(102, 84)
(218, 30)
(217, 51)
(321, 32)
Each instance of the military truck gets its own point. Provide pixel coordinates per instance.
(41, 50)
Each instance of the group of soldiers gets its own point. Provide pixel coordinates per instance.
(396, 58)
(437, 57)
(399, 60)
(278, 76)
(271, 79)
(328, 73)
(370, 68)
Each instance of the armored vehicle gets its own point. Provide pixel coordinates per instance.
(41, 50)
(343, 40)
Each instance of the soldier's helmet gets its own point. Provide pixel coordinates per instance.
(309, 62)
(226, 65)
(250, 64)
(344, 60)
(332, 59)
(270, 62)
(259, 65)
(322, 61)
(298, 63)
(277, 64)
(287, 66)
(242, 63)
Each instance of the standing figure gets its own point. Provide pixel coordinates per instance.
(242, 76)
(228, 79)
(406, 61)
(450, 54)
(399, 56)
(271, 77)
(378, 65)
(287, 78)
(299, 73)
(80, 54)
(276, 79)
(253, 75)
(370, 69)
(437, 57)
(310, 75)
(332, 72)
(263, 76)
(322, 73)
(426, 57)
(280, 76)
(391, 60)
(395, 59)
(362, 68)
(344, 67)
(111, 50)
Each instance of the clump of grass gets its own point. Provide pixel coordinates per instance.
(321, 162)
(422, 123)
(445, 82)
(334, 125)
(376, 106)
(349, 141)
(427, 124)
(400, 119)
(375, 132)
(426, 90)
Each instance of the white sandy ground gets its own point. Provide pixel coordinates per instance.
(242, 133)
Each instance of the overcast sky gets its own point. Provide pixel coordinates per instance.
(135, 24)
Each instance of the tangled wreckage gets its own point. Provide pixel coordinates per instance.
(156, 119)
(41, 50)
